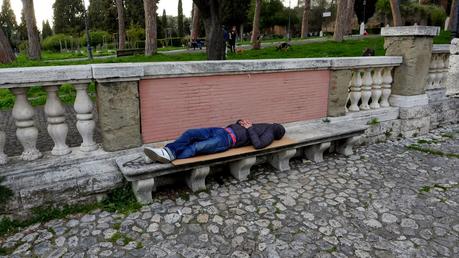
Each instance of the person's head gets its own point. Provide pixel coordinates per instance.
(279, 131)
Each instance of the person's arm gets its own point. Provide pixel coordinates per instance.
(258, 141)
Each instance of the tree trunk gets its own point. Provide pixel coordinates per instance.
(34, 50)
(6, 52)
(396, 16)
(196, 23)
(350, 16)
(452, 16)
(150, 27)
(305, 22)
(211, 12)
(256, 26)
(340, 21)
(444, 4)
(121, 25)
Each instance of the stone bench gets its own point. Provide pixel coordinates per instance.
(310, 140)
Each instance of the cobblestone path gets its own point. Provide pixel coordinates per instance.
(384, 201)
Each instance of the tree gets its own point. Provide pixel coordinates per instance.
(396, 16)
(342, 15)
(180, 29)
(6, 55)
(7, 19)
(34, 50)
(196, 23)
(121, 25)
(235, 12)
(22, 28)
(151, 46)
(164, 23)
(68, 16)
(453, 16)
(350, 16)
(211, 12)
(135, 12)
(46, 30)
(305, 21)
(256, 26)
(103, 15)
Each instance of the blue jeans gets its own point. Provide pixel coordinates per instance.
(199, 141)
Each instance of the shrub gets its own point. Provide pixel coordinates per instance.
(97, 38)
(60, 41)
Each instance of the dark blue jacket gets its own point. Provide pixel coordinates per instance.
(259, 135)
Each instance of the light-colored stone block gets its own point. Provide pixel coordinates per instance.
(241, 169)
(403, 31)
(416, 123)
(408, 101)
(316, 152)
(280, 160)
(143, 190)
(414, 112)
(196, 181)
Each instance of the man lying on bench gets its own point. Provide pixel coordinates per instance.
(212, 140)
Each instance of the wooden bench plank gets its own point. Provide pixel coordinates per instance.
(232, 152)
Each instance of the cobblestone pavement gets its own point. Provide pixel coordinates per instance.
(384, 201)
(44, 142)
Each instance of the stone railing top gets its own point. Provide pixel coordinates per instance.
(23, 77)
(426, 31)
(441, 49)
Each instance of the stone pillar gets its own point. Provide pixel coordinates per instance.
(452, 85)
(338, 92)
(414, 43)
(119, 114)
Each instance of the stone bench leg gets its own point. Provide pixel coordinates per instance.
(196, 181)
(345, 146)
(241, 169)
(143, 190)
(316, 152)
(281, 160)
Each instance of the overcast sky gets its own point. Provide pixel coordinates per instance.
(44, 10)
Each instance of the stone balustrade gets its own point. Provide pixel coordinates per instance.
(438, 70)
(18, 81)
(369, 88)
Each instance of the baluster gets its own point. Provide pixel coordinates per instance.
(386, 87)
(3, 157)
(85, 125)
(26, 132)
(436, 76)
(376, 88)
(444, 70)
(57, 128)
(431, 74)
(366, 89)
(355, 94)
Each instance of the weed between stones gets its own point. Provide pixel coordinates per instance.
(119, 200)
(373, 121)
(432, 151)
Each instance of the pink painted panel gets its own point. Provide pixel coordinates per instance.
(172, 105)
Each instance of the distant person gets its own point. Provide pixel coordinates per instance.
(232, 40)
(225, 38)
(201, 141)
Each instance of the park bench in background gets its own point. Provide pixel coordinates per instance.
(130, 52)
(302, 139)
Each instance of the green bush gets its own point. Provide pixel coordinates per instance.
(98, 38)
(60, 41)
(430, 14)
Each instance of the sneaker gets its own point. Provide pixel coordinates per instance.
(157, 154)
